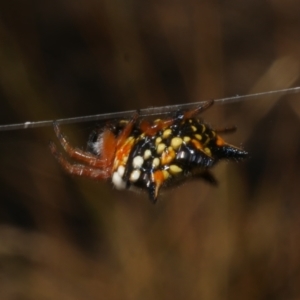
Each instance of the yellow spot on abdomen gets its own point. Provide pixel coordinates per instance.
(207, 151)
(176, 142)
(198, 136)
(166, 174)
(158, 140)
(166, 133)
(174, 169)
(155, 162)
(160, 148)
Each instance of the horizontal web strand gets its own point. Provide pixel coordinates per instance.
(154, 111)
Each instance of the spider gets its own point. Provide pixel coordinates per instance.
(149, 155)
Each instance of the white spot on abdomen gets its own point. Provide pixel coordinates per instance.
(121, 170)
(118, 181)
(135, 175)
(137, 162)
(147, 154)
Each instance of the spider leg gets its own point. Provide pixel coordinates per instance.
(193, 112)
(151, 129)
(79, 154)
(206, 176)
(126, 131)
(78, 169)
(226, 130)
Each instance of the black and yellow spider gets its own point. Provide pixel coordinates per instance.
(150, 155)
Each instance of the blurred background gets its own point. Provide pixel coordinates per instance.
(70, 238)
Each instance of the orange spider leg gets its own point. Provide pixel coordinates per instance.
(219, 141)
(108, 143)
(152, 129)
(126, 131)
(77, 169)
(193, 112)
(108, 147)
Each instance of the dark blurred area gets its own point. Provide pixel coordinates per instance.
(70, 238)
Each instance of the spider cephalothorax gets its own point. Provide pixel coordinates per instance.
(150, 155)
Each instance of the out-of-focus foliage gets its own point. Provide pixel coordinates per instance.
(69, 238)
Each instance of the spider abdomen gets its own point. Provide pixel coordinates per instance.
(178, 151)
